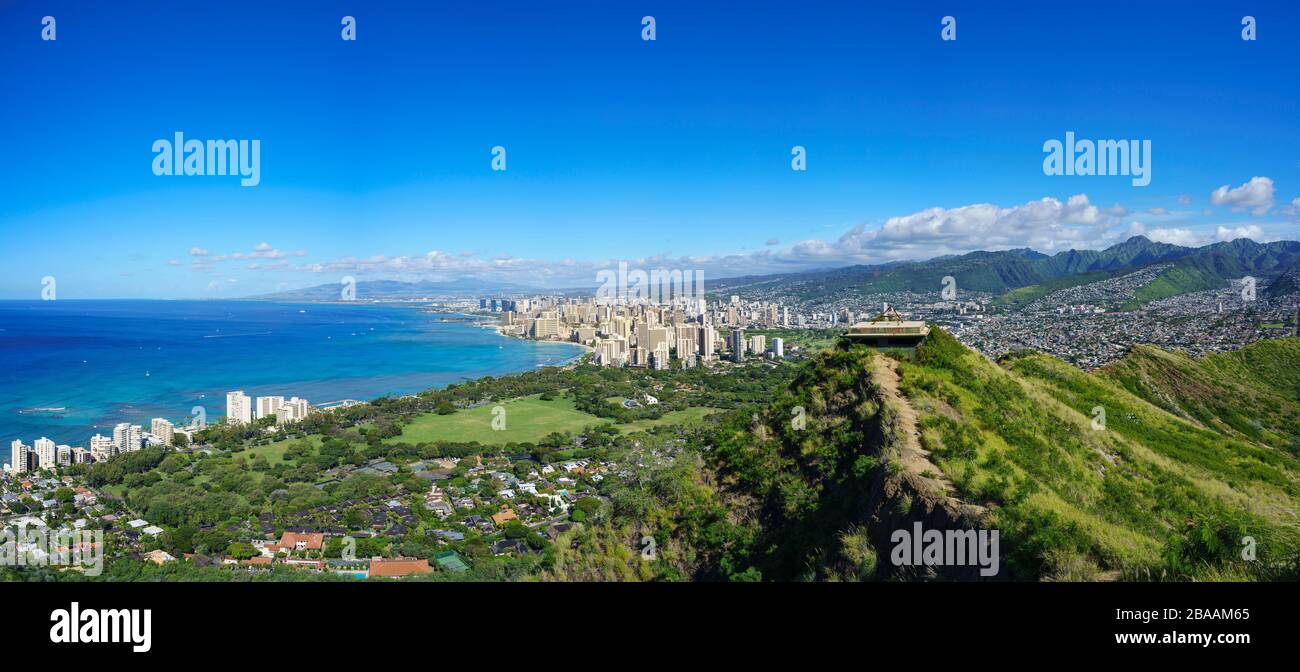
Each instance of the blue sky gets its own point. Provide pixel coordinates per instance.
(375, 154)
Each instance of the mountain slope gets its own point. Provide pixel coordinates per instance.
(1252, 394)
(1022, 275)
(1085, 476)
(1213, 266)
(370, 290)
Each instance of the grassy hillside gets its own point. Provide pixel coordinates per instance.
(1024, 296)
(1142, 472)
(1175, 281)
(1251, 394)
(1148, 495)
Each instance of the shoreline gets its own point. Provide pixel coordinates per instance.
(586, 349)
(76, 430)
(487, 322)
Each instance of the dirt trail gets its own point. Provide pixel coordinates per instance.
(918, 493)
(915, 459)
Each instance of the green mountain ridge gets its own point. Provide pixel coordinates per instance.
(1159, 468)
(1022, 275)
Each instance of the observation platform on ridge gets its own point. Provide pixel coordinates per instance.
(888, 330)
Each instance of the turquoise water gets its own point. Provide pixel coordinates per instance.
(70, 368)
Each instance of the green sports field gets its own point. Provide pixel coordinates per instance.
(526, 420)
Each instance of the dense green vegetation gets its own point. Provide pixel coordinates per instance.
(1143, 495)
(1159, 467)
(1249, 394)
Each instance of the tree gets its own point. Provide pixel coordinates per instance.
(241, 551)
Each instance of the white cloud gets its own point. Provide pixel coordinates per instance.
(1251, 231)
(1047, 225)
(1175, 236)
(204, 259)
(1257, 194)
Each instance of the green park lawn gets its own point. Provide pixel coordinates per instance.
(685, 416)
(274, 452)
(527, 420)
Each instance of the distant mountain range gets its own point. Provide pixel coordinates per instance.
(1018, 275)
(387, 290)
(1033, 273)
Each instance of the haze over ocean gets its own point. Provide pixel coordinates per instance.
(71, 368)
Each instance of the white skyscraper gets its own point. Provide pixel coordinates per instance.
(17, 457)
(267, 406)
(163, 429)
(45, 453)
(293, 410)
(63, 455)
(239, 408)
(778, 348)
(127, 437)
(102, 447)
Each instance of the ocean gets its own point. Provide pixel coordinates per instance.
(71, 368)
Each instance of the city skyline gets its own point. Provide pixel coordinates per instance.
(376, 154)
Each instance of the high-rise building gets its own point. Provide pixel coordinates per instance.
(737, 345)
(545, 327)
(17, 457)
(659, 357)
(239, 408)
(685, 347)
(102, 447)
(707, 342)
(758, 344)
(163, 429)
(63, 455)
(127, 438)
(293, 410)
(778, 348)
(45, 453)
(267, 406)
(656, 337)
